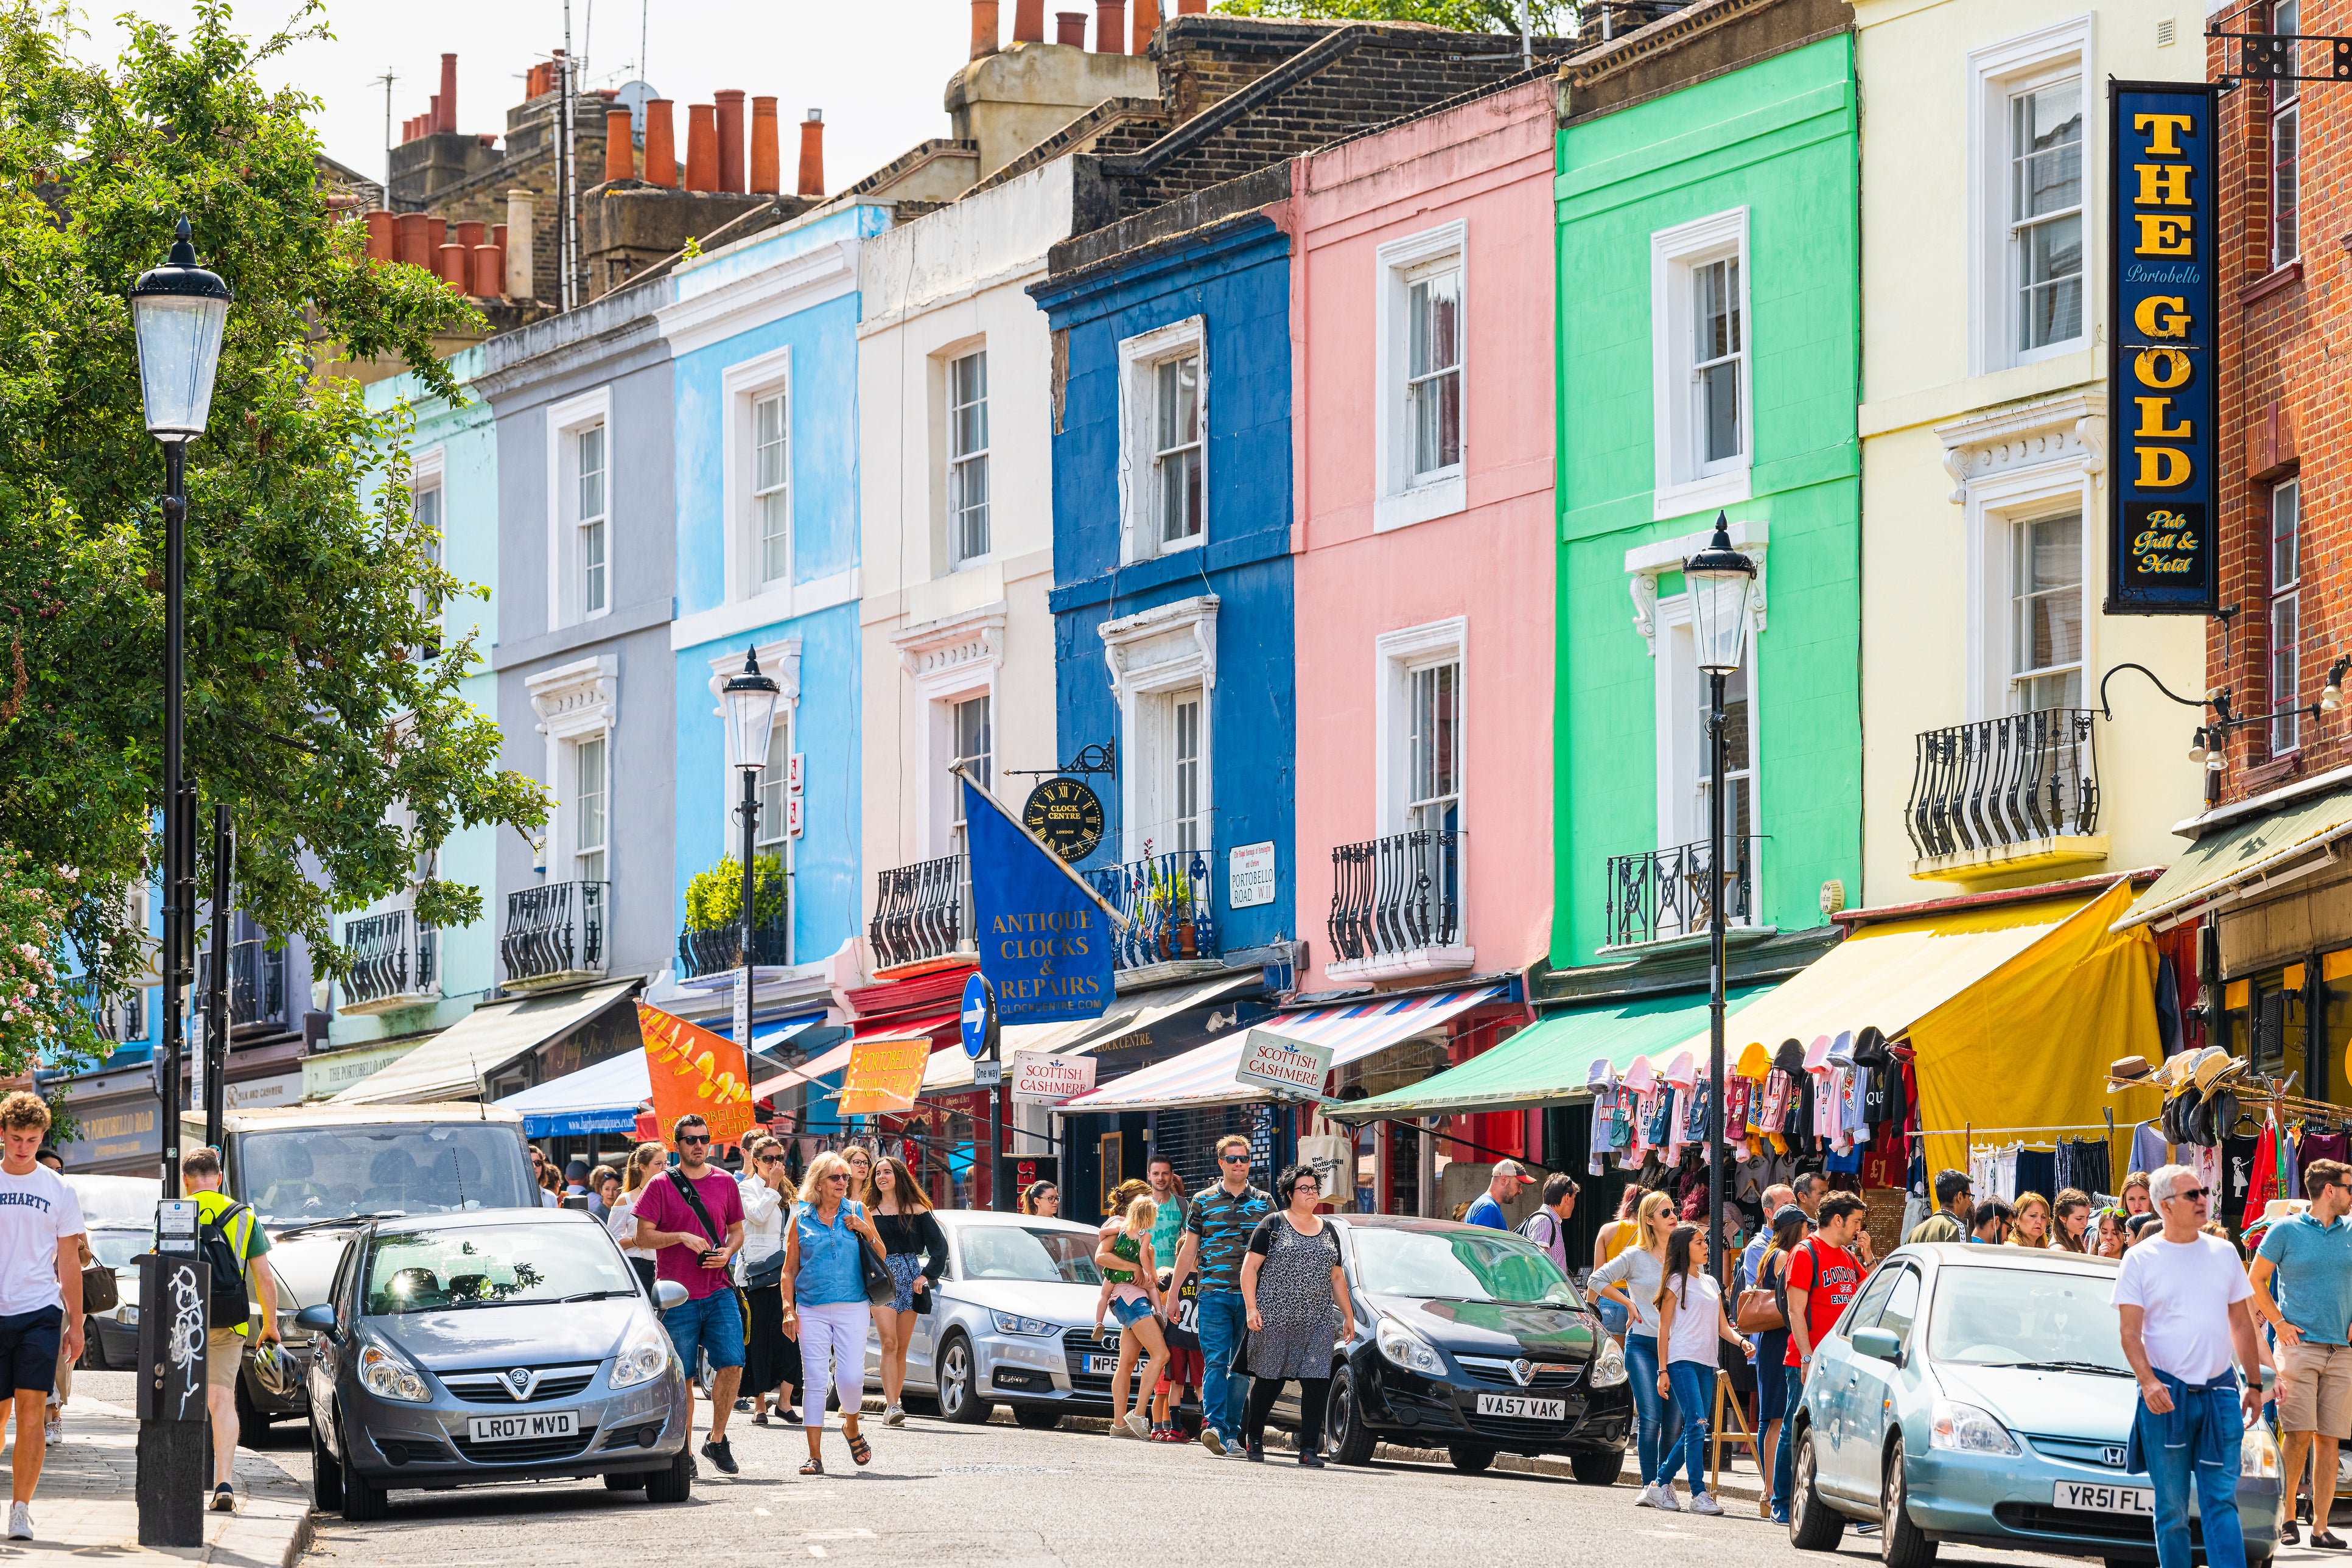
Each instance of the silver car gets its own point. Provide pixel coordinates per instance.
(1013, 1322)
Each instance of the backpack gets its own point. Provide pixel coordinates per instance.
(228, 1306)
(1527, 1228)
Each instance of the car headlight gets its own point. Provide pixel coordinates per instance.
(389, 1377)
(127, 1314)
(1015, 1323)
(1608, 1365)
(1966, 1429)
(2259, 1455)
(642, 1358)
(1408, 1349)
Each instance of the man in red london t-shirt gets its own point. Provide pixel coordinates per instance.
(1824, 1274)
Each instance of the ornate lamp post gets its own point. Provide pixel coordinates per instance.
(750, 700)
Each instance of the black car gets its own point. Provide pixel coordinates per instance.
(1472, 1341)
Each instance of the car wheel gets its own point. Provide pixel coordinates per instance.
(634, 1481)
(1901, 1542)
(1813, 1525)
(93, 1348)
(1469, 1459)
(960, 1397)
(326, 1476)
(1350, 1441)
(363, 1500)
(1597, 1468)
(1036, 1418)
(675, 1484)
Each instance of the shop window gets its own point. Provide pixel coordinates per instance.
(2286, 616)
(2278, 1023)
(2286, 146)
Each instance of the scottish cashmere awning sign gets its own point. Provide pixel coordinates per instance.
(2162, 403)
(1044, 935)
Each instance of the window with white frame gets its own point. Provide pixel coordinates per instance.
(1185, 794)
(1434, 747)
(1738, 756)
(967, 426)
(2046, 613)
(2286, 146)
(590, 789)
(2030, 178)
(971, 734)
(775, 788)
(428, 499)
(1176, 467)
(2045, 212)
(1702, 373)
(771, 502)
(1434, 368)
(589, 518)
(1420, 372)
(1163, 453)
(2286, 616)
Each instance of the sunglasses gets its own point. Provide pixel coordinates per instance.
(836, 1175)
(1232, 1159)
(698, 1139)
(2193, 1195)
(772, 1159)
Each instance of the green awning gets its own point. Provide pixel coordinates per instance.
(1547, 1063)
(2230, 856)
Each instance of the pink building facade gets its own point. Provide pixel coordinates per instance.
(1421, 310)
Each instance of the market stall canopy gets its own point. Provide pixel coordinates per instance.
(951, 1072)
(809, 1071)
(600, 1099)
(2226, 861)
(1549, 1062)
(456, 1062)
(1204, 1075)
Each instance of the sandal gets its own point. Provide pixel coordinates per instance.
(813, 1467)
(862, 1451)
(2327, 1540)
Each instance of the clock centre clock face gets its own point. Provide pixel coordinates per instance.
(1067, 814)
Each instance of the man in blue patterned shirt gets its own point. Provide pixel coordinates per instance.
(1216, 1239)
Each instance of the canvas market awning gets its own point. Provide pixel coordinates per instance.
(1547, 1062)
(2233, 859)
(951, 1072)
(598, 1099)
(456, 1062)
(1204, 1075)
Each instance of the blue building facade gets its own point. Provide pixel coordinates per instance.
(1173, 600)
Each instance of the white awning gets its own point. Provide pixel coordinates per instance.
(455, 1063)
(950, 1072)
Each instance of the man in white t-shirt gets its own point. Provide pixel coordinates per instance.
(2182, 1296)
(40, 1289)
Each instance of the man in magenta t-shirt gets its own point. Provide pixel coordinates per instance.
(694, 1255)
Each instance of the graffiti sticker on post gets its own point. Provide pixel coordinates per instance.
(2161, 496)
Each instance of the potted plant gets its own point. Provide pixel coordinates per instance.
(714, 909)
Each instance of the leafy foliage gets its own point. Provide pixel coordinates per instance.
(714, 899)
(1548, 18)
(41, 1022)
(346, 757)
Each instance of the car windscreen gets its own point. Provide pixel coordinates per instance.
(1018, 1252)
(303, 1173)
(430, 1270)
(116, 1248)
(1460, 1265)
(2044, 1318)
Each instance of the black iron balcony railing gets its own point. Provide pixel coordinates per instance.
(256, 982)
(703, 952)
(2004, 781)
(556, 930)
(1667, 893)
(1166, 901)
(119, 1018)
(392, 957)
(1396, 895)
(921, 911)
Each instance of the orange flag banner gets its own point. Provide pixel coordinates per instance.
(885, 1074)
(692, 1070)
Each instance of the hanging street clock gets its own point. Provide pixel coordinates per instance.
(1067, 814)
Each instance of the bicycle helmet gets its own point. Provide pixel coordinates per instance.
(272, 1370)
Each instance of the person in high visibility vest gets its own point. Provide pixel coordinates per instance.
(217, 1212)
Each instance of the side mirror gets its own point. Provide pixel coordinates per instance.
(318, 1319)
(1879, 1345)
(669, 1293)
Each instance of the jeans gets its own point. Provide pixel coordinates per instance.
(1641, 1372)
(1694, 1386)
(1784, 1461)
(1223, 1319)
(2174, 1471)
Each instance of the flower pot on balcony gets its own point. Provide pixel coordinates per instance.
(1188, 940)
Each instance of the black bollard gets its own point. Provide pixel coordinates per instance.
(174, 1450)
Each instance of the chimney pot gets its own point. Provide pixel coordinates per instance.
(1192, 7)
(468, 234)
(1110, 26)
(1070, 28)
(413, 238)
(619, 162)
(489, 271)
(729, 104)
(433, 115)
(383, 236)
(984, 28)
(436, 235)
(498, 235)
(452, 270)
(767, 157)
(517, 244)
(449, 96)
(812, 177)
(1147, 22)
(701, 147)
(1028, 21)
(661, 143)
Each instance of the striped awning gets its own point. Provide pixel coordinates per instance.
(1204, 1075)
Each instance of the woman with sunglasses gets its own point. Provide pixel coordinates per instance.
(772, 1363)
(1043, 1199)
(902, 1216)
(825, 1304)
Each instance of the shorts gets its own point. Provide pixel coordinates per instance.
(1130, 1313)
(2314, 1389)
(1183, 1371)
(28, 1350)
(223, 1357)
(711, 1326)
(906, 1268)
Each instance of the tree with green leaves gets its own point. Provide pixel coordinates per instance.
(1547, 18)
(322, 706)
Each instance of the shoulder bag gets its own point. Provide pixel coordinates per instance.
(881, 1288)
(1760, 1310)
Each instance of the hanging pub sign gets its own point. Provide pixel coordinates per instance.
(2161, 494)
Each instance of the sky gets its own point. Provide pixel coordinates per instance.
(876, 67)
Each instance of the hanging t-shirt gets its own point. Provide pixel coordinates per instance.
(2319, 1146)
(37, 1211)
(2149, 1147)
(2237, 1177)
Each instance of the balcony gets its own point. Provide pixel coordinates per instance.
(2016, 794)
(394, 963)
(1166, 900)
(120, 1018)
(256, 984)
(720, 951)
(1396, 907)
(921, 912)
(557, 934)
(1669, 895)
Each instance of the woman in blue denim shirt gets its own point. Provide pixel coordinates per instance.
(826, 1302)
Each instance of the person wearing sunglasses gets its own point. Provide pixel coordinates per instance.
(825, 1304)
(1216, 1239)
(692, 1216)
(770, 1359)
(2310, 1256)
(2182, 1299)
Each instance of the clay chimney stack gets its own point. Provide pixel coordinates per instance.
(410, 243)
(470, 234)
(449, 97)
(661, 143)
(701, 147)
(383, 231)
(433, 115)
(454, 265)
(984, 28)
(812, 180)
(767, 157)
(1147, 22)
(619, 164)
(1192, 7)
(1028, 21)
(1110, 26)
(1070, 28)
(731, 138)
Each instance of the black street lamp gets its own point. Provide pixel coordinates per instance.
(177, 312)
(750, 700)
(1722, 583)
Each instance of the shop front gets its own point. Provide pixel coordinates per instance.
(117, 1127)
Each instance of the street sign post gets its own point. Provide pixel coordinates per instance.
(173, 1455)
